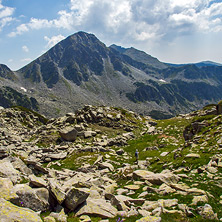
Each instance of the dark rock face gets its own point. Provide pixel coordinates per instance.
(76, 57)
(176, 92)
(6, 73)
(10, 97)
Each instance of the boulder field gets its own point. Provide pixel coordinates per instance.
(81, 167)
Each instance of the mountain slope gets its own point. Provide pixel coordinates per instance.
(81, 70)
(140, 56)
(11, 94)
(85, 71)
(6, 73)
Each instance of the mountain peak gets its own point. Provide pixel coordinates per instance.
(82, 37)
(6, 73)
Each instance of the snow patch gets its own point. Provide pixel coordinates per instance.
(24, 89)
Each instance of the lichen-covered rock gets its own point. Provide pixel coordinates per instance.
(49, 219)
(207, 212)
(76, 196)
(57, 190)
(149, 219)
(6, 189)
(9, 212)
(98, 207)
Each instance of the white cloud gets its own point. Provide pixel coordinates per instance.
(39, 23)
(5, 15)
(53, 40)
(5, 21)
(26, 60)
(25, 48)
(33, 24)
(64, 21)
(133, 20)
(19, 30)
(6, 12)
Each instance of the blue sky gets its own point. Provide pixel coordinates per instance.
(174, 31)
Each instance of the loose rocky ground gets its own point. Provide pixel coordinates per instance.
(81, 167)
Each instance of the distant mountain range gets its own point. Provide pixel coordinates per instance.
(199, 64)
(82, 70)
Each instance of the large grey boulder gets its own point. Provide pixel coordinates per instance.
(19, 165)
(68, 133)
(76, 196)
(9, 212)
(156, 178)
(8, 171)
(97, 207)
(83, 179)
(35, 199)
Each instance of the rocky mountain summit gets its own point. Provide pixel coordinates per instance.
(81, 166)
(82, 70)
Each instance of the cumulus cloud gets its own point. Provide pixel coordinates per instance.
(34, 24)
(25, 48)
(26, 60)
(134, 20)
(5, 15)
(53, 40)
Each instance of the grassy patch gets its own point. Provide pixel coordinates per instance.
(76, 160)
